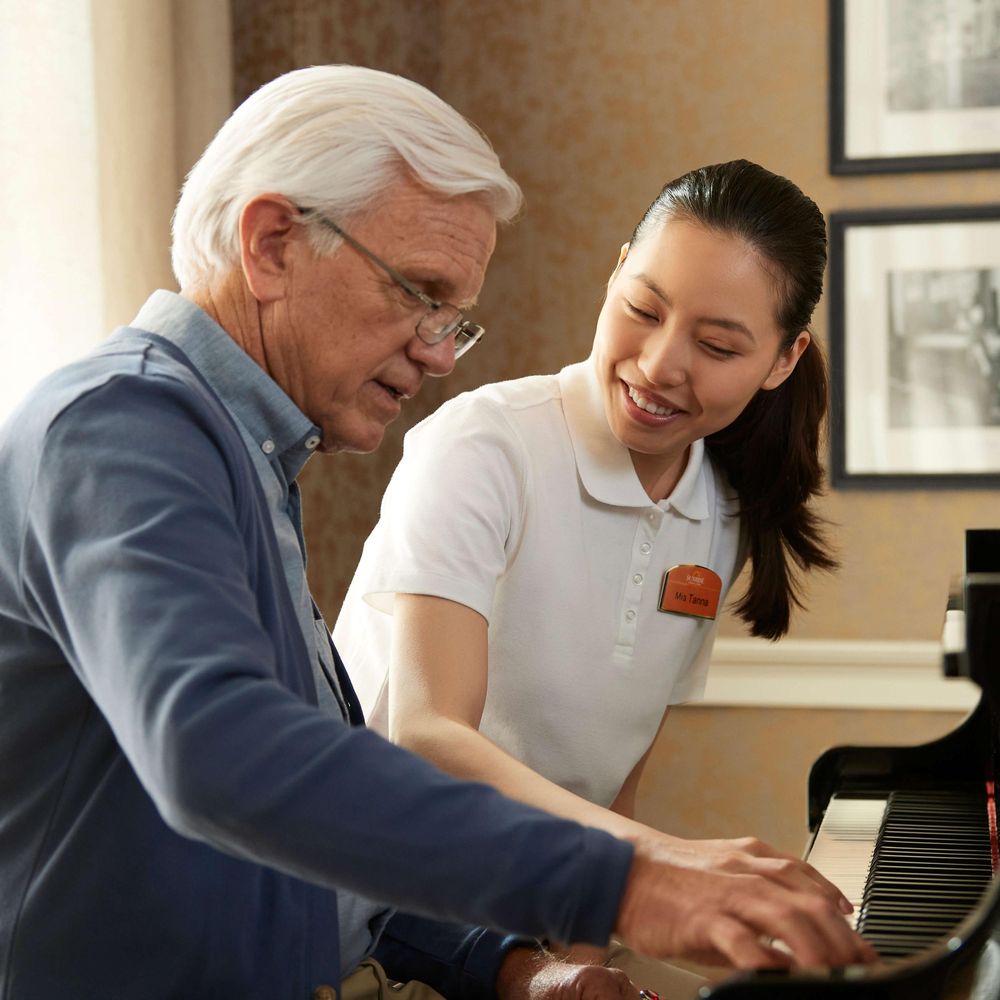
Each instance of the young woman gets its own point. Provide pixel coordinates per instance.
(552, 550)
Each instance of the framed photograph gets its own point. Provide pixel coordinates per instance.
(915, 347)
(914, 85)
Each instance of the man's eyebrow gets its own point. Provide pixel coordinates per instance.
(441, 291)
(726, 324)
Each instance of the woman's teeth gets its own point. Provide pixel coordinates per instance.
(647, 404)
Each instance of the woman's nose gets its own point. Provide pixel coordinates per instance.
(665, 358)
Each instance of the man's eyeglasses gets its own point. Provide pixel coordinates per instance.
(441, 319)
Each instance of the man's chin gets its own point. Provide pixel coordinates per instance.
(363, 446)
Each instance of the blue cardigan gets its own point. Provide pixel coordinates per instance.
(175, 811)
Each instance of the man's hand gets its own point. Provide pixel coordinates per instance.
(749, 856)
(721, 918)
(538, 975)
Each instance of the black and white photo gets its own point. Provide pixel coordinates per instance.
(915, 346)
(914, 85)
(944, 348)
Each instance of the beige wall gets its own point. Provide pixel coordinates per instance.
(592, 106)
(724, 772)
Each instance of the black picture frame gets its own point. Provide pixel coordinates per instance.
(914, 344)
(857, 65)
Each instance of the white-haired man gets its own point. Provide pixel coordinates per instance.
(190, 807)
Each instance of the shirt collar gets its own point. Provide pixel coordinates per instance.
(282, 431)
(604, 463)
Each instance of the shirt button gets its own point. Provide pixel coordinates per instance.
(267, 447)
(312, 442)
(637, 578)
(629, 616)
(645, 547)
(324, 993)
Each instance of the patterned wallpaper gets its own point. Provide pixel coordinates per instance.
(592, 106)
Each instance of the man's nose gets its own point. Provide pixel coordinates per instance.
(435, 359)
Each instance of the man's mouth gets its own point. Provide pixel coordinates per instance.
(393, 391)
(649, 405)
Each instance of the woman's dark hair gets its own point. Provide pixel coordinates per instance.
(770, 453)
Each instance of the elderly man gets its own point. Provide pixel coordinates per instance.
(189, 806)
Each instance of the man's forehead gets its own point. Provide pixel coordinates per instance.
(439, 241)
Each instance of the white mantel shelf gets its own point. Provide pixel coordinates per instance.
(802, 673)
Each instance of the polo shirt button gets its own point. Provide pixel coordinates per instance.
(312, 442)
(267, 447)
(629, 616)
(645, 547)
(637, 578)
(324, 993)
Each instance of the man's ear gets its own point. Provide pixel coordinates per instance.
(267, 228)
(786, 362)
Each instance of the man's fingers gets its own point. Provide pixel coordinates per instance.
(801, 876)
(814, 931)
(742, 947)
(600, 982)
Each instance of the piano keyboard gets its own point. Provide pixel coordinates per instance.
(913, 863)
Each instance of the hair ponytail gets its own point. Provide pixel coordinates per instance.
(770, 455)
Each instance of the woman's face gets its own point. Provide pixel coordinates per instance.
(686, 337)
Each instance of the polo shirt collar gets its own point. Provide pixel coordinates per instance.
(280, 428)
(604, 463)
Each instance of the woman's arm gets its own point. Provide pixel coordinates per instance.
(438, 677)
(437, 689)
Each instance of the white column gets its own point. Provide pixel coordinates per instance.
(104, 106)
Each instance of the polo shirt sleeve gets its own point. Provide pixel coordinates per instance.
(452, 514)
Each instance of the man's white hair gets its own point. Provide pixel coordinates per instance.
(329, 138)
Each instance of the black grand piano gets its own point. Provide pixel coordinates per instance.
(910, 835)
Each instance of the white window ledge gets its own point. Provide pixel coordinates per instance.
(830, 673)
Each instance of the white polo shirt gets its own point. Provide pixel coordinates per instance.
(518, 501)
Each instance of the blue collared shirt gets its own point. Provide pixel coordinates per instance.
(280, 439)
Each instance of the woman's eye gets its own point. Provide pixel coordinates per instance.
(636, 311)
(719, 352)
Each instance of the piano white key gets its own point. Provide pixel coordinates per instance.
(953, 636)
(843, 846)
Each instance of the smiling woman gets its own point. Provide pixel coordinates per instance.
(553, 550)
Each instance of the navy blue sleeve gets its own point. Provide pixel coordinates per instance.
(459, 961)
(134, 557)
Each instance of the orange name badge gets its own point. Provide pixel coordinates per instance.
(691, 590)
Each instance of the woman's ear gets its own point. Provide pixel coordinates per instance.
(786, 361)
(267, 228)
(621, 260)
